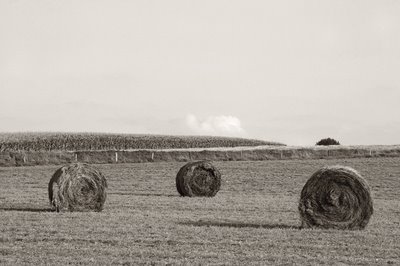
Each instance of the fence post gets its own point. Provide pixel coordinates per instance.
(76, 157)
(116, 157)
(152, 156)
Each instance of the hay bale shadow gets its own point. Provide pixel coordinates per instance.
(233, 224)
(143, 194)
(26, 209)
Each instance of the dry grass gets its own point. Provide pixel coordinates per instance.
(253, 219)
(336, 197)
(77, 187)
(198, 179)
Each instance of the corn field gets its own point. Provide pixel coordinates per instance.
(97, 141)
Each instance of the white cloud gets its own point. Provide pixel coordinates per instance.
(215, 125)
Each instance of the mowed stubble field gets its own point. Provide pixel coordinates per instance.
(253, 219)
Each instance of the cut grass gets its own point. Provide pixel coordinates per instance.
(252, 220)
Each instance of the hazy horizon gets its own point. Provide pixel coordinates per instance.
(287, 71)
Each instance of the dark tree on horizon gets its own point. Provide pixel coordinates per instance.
(327, 142)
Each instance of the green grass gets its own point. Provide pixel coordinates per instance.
(252, 220)
(101, 141)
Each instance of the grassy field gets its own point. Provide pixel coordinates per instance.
(101, 141)
(252, 220)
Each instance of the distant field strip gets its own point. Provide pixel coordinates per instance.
(260, 153)
(101, 142)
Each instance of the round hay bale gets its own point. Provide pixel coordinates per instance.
(77, 187)
(198, 179)
(335, 197)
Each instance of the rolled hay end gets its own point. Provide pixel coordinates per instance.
(335, 197)
(198, 179)
(77, 187)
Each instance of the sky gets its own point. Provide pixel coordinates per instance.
(288, 71)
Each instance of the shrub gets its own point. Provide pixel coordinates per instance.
(327, 142)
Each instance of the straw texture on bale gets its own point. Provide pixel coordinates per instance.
(198, 179)
(77, 187)
(335, 197)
